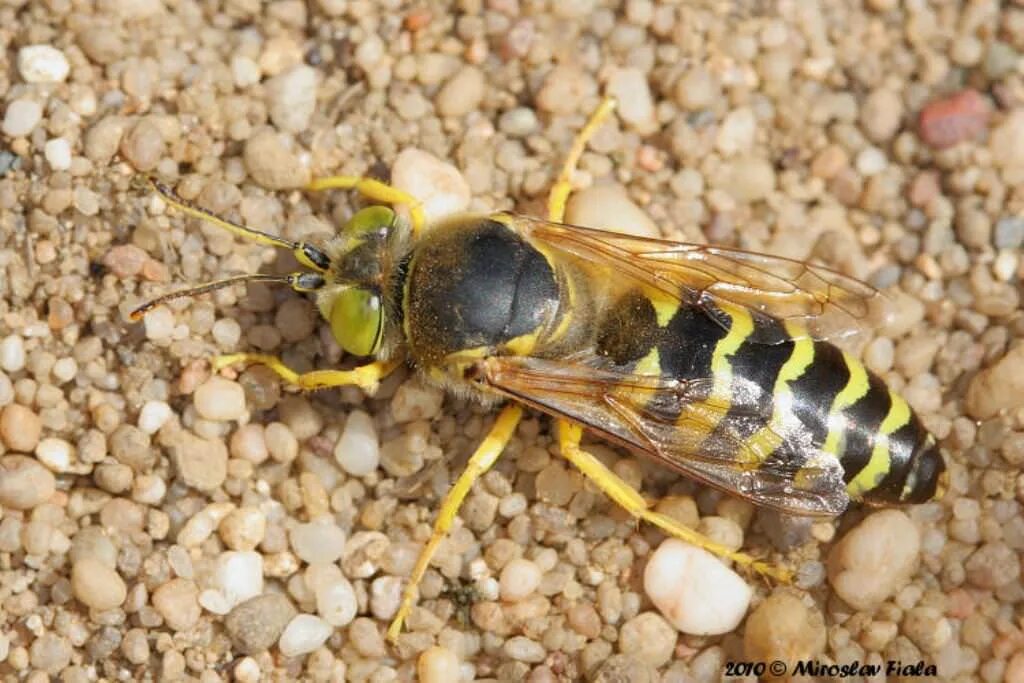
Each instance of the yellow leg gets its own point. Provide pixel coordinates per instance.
(482, 459)
(569, 436)
(559, 194)
(366, 376)
(375, 190)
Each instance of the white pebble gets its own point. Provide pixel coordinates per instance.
(871, 161)
(226, 332)
(358, 449)
(519, 579)
(55, 454)
(318, 542)
(439, 186)
(58, 153)
(694, 590)
(12, 353)
(247, 670)
(220, 399)
(21, 118)
(291, 98)
(42, 64)
(385, 595)
(635, 105)
(737, 131)
(214, 601)
(874, 559)
(239, 575)
(245, 71)
(64, 370)
(608, 207)
(159, 324)
(336, 602)
(153, 416)
(303, 634)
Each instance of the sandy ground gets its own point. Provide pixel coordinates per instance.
(159, 523)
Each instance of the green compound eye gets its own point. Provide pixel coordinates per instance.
(369, 219)
(357, 321)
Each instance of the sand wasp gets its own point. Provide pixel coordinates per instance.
(714, 361)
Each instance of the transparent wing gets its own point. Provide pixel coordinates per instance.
(826, 303)
(673, 422)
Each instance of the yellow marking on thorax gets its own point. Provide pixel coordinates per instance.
(880, 463)
(855, 389)
(524, 344)
(770, 437)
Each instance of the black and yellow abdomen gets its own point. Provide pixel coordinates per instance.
(775, 394)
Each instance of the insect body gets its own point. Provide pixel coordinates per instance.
(715, 362)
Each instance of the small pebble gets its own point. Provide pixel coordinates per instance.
(201, 463)
(97, 585)
(522, 649)
(238, 575)
(273, 162)
(438, 665)
(58, 154)
(177, 602)
(783, 628)
(648, 638)
(12, 353)
(997, 388)
(143, 145)
(21, 118)
(438, 185)
(318, 542)
(20, 428)
(633, 95)
(50, 653)
(42, 64)
(303, 634)
(358, 450)
(519, 579)
(609, 207)
(256, 624)
(291, 98)
(874, 559)
(949, 121)
(694, 590)
(737, 132)
(336, 602)
(126, 261)
(243, 528)
(153, 416)
(24, 483)
(462, 93)
(415, 401)
(56, 454)
(220, 399)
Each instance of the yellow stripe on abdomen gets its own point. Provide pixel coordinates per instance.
(880, 462)
(766, 440)
(701, 417)
(856, 388)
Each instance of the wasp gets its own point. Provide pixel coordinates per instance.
(716, 362)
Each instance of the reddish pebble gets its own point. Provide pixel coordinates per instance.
(154, 271)
(947, 122)
(125, 260)
(924, 188)
(417, 20)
